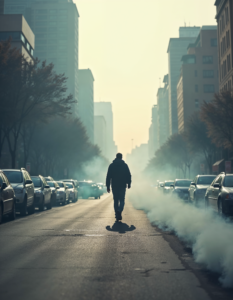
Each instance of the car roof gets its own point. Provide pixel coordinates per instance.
(183, 180)
(206, 175)
(12, 170)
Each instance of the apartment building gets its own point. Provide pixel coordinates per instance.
(225, 43)
(198, 75)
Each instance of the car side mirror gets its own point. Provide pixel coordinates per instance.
(57, 187)
(28, 181)
(47, 186)
(4, 186)
(193, 183)
(172, 185)
(217, 185)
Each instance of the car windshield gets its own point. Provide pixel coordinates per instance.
(183, 183)
(61, 184)
(70, 185)
(205, 180)
(36, 181)
(14, 176)
(228, 181)
(51, 184)
(168, 183)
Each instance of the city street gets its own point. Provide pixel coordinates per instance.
(79, 252)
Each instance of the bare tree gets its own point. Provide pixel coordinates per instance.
(218, 116)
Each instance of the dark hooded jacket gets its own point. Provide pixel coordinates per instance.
(118, 174)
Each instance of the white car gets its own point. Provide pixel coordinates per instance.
(63, 193)
(73, 191)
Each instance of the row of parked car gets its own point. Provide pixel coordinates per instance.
(204, 190)
(23, 193)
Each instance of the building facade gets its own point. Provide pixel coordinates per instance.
(153, 144)
(86, 101)
(199, 75)
(224, 18)
(176, 49)
(163, 112)
(100, 134)
(56, 28)
(105, 109)
(22, 37)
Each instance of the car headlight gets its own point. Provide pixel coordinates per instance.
(229, 197)
(18, 191)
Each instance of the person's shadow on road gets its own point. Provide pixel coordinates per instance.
(120, 227)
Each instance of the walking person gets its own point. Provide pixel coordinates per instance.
(119, 178)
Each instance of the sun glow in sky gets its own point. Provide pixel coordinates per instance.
(124, 43)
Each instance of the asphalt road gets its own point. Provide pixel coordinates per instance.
(79, 252)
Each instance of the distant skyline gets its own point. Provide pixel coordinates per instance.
(124, 43)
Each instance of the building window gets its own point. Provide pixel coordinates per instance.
(207, 59)
(196, 103)
(214, 42)
(196, 88)
(195, 73)
(208, 73)
(208, 88)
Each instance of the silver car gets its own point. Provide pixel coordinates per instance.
(63, 193)
(42, 193)
(23, 186)
(73, 192)
(54, 189)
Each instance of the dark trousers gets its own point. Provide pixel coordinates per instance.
(119, 198)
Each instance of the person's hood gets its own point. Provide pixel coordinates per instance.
(118, 161)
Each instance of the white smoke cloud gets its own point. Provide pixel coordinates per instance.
(210, 237)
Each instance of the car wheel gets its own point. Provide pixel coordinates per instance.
(23, 210)
(1, 213)
(13, 212)
(41, 206)
(49, 205)
(220, 208)
(31, 209)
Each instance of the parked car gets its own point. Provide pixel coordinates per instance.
(219, 195)
(180, 188)
(73, 192)
(42, 193)
(167, 186)
(24, 190)
(63, 193)
(198, 188)
(54, 189)
(89, 189)
(76, 186)
(161, 185)
(103, 187)
(7, 198)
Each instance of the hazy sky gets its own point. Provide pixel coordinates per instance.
(124, 43)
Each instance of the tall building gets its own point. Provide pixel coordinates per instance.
(55, 24)
(105, 109)
(176, 49)
(225, 43)
(163, 112)
(100, 134)
(153, 133)
(22, 37)
(199, 75)
(86, 101)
